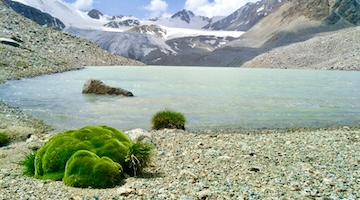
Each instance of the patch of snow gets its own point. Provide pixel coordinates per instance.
(260, 9)
(210, 42)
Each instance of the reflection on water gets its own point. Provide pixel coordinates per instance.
(210, 98)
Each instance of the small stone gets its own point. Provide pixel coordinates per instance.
(185, 198)
(224, 158)
(205, 194)
(186, 175)
(76, 198)
(254, 169)
(124, 191)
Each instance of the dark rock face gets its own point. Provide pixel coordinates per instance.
(95, 14)
(35, 15)
(245, 17)
(149, 29)
(93, 86)
(184, 15)
(346, 9)
(129, 23)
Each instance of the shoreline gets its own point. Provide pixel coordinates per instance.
(319, 164)
(282, 163)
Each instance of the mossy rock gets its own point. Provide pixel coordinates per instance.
(85, 168)
(104, 141)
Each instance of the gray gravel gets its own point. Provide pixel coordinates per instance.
(338, 50)
(256, 164)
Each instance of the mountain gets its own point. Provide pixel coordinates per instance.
(245, 17)
(44, 50)
(180, 39)
(121, 22)
(128, 44)
(41, 18)
(295, 21)
(66, 12)
(183, 19)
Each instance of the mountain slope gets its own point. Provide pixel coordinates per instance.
(43, 19)
(334, 50)
(245, 17)
(296, 21)
(45, 50)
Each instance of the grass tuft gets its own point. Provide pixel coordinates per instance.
(139, 156)
(168, 119)
(29, 164)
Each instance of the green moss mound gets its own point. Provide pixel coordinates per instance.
(168, 119)
(85, 169)
(4, 139)
(92, 156)
(103, 141)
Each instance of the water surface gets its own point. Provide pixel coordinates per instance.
(210, 98)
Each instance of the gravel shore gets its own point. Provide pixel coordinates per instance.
(338, 50)
(254, 164)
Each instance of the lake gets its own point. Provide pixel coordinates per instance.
(210, 98)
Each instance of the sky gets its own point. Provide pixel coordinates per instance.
(145, 9)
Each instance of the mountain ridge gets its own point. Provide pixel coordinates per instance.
(274, 23)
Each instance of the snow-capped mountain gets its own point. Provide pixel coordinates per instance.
(67, 13)
(184, 19)
(245, 17)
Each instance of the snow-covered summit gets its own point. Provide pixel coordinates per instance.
(66, 12)
(183, 19)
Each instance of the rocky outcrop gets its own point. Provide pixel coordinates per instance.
(93, 86)
(95, 14)
(126, 23)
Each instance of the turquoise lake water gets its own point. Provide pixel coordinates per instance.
(210, 98)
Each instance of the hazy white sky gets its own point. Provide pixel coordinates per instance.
(154, 8)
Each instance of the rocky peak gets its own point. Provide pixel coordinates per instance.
(95, 14)
(184, 15)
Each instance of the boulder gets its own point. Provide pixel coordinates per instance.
(93, 86)
(140, 134)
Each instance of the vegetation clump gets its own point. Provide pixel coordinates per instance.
(28, 163)
(4, 139)
(93, 156)
(168, 119)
